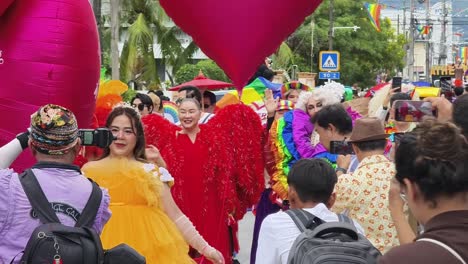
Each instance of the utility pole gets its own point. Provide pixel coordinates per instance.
(404, 20)
(115, 24)
(398, 25)
(411, 48)
(332, 24)
(312, 26)
(443, 38)
(428, 44)
(96, 4)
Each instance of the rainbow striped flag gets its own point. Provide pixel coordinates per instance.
(373, 10)
(463, 54)
(424, 30)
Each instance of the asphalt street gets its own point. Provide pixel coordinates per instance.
(246, 226)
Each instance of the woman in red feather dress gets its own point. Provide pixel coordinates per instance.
(218, 167)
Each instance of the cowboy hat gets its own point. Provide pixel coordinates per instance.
(368, 129)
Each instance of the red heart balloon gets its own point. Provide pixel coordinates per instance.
(239, 34)
(49, 53)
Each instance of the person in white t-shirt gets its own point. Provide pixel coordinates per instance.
(311, 184)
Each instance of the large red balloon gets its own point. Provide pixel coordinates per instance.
(49, 53)
(239, 34)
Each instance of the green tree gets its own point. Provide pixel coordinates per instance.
(209, 68)
(212, 70)
(186, 73)
(144, 16)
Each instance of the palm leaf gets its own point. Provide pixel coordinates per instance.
(137, 60)
(283, 57)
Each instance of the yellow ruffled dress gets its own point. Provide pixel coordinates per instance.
(138, 218)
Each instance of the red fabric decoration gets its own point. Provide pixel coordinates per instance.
(80, 161)
(239, 34)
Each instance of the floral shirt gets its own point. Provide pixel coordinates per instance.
(364, 196)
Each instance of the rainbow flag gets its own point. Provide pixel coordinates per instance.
(373, 10)
(463, 54)
(424, 30)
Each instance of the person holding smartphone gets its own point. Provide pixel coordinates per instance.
(431, 177)
(364, 192)
(387, 115)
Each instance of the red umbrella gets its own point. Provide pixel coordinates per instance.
(203, 83)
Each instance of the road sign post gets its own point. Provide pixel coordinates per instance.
(329, 75)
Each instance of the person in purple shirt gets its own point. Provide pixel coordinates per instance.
(54, 142)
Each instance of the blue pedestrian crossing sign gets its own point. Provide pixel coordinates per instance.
(329, 61)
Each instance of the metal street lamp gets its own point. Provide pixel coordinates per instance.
(354, 28)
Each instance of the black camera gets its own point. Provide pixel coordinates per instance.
(100, 137)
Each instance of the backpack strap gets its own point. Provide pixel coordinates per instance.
(208, 116)
(449, 249)
(37, 198)
(303, 219)
(97, 243)
(90, 211)
(345, 219)
(42, 207)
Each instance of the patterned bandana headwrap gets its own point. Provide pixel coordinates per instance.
(54, 130)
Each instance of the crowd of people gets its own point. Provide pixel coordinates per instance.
(174, 191)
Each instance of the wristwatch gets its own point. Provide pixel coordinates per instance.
(23, 139)
(343, 170)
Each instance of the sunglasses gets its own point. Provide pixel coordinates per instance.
(139, 106)
(206, 106)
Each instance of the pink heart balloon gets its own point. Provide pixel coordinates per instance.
(239, 34)
(49, 53)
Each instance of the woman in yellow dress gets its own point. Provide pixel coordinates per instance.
(144, 214)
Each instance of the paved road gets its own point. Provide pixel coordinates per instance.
(246, 226)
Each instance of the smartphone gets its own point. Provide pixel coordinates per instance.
(446, 87)
(341, 148)
(100, 137)
(397, 138)
(445, 83)
(412, 111)
(396, 83)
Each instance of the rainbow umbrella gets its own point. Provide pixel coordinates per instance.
(253, 92)
(171, 109)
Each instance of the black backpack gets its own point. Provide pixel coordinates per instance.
(53, 242)
(329, 243)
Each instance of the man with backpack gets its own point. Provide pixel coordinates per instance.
(311, 183)
(54, 143)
